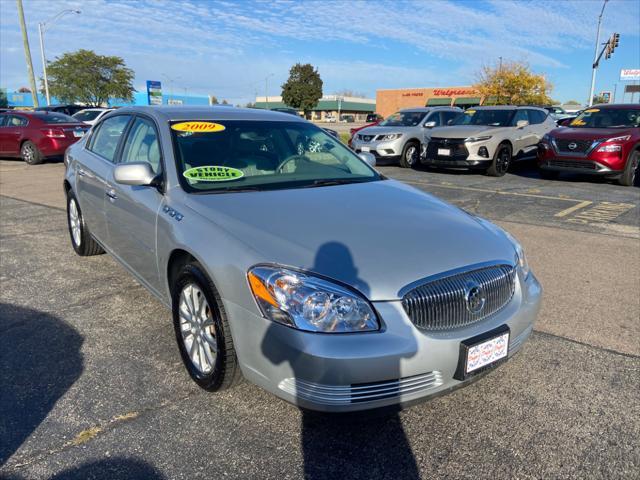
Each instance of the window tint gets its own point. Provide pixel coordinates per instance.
(434, 117)
(16, 121)
(537, 116)
(3, 119)
(105, 140)
(449, 117)
(520, 115)
(142, 145)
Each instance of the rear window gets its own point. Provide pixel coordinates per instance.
(54, 117)
(87, 115)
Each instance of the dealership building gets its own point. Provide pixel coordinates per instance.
(328, 106)
(390, 101)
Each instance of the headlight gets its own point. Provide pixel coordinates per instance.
(310, 303)
(389, 136)
(610, 148)
(623, 138)
(546, 138)
(477, 139)
(521, 258)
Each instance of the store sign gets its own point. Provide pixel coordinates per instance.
(448, 92)
(413, 94)
(629, 74)
(606, 97)
(154, 92)
(632, 89)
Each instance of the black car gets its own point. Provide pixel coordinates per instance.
(66, 109)
(374, 117)
(290, 111)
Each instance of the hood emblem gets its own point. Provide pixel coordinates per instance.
(475, 298)
(572, 146)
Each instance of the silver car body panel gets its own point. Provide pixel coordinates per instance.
(378, 237)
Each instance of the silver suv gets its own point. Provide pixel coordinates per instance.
(398, 138)
(488, 138)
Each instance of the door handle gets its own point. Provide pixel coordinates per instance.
(81, 172)
(111, 194)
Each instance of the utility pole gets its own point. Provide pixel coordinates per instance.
(500, 77)
(595, 56)
(27, 54)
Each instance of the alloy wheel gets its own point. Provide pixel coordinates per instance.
(410, 155)
(74, 222)
(503, 160)
(197, 328)
(28, 154)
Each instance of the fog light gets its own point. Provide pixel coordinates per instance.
(483, 152)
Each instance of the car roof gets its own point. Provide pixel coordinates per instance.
(182, 112)
(506, 107)
(614, 106)
(428, 109)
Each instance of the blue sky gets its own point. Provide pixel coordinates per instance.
(227, 48)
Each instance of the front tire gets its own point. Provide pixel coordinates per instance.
(631, 174)
(81, 239)
(410, 153)
(30, 153)
(501, 161)
(202, 330)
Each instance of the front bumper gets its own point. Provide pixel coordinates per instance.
(397, 366)
(461, 154)
(602, 165)
(382, 150)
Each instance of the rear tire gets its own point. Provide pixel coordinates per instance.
(631, 174)
(30, 153)
(81, 239)
(202, 330)
(501, 161)
(410, 154)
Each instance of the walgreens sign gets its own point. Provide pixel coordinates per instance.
(448, 92)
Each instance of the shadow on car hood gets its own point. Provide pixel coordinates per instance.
(377, 237)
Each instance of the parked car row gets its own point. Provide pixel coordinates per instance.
(602, 140)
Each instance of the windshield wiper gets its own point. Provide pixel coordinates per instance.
(328, 182)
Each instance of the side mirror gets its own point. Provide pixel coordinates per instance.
(134, 173)
(429, 124)
(522, 123)
(368, 158)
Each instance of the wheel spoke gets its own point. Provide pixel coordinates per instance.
(208, 353)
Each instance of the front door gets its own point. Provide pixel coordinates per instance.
(131, 211)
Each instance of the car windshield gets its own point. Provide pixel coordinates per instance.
(489, 117)
(87, 115)
(403, 119)
(53, 117)
(233, 155)
(607, 118)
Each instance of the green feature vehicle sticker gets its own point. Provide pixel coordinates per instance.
(213, 174)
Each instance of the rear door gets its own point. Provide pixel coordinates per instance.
(132, 211)
(521, 136)
(12, 133)
(3, 122)
(94, 167)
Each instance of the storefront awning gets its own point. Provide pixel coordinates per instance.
(435, 102)
(466, 101)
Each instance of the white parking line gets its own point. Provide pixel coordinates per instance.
(569, 210)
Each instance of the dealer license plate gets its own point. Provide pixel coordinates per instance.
(365, 149)
(444, 152)
(482, 352)
(78, 133)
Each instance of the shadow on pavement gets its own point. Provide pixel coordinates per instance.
(39, 360)
(338, 446)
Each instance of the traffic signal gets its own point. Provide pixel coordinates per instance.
(612, 43)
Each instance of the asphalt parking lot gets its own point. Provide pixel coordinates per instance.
(92, 385)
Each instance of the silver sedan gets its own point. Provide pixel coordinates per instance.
(286, 259)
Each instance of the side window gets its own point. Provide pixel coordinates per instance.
(142, 145)
(105, 141)
(520, 115)
(449, 117)
(434, 117)
(16, 121)
(537, 116)
(3, 120)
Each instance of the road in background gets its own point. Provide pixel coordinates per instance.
(93, 383)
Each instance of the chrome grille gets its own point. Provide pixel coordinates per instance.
(361, 392)
(441, 304)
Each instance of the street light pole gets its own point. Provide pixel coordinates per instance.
(27, 54)
(41, 28)
(595, 56)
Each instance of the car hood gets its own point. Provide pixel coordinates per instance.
(568, 133)
(377, 237)
(465, 131)
(377, 130)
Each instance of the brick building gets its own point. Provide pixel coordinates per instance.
(390, 101)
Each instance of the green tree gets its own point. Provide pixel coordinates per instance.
(572, 102)
(88, 78)
(513, 83)
(214, 100)
(303, 89)
(3, 98)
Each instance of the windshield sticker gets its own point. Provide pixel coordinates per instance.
(592, 110)
(578, 123)
(213, 174)
(470, 112)
(197, 127)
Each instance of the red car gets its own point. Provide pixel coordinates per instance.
(36, 136)
(355, 130)
(603, 140)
